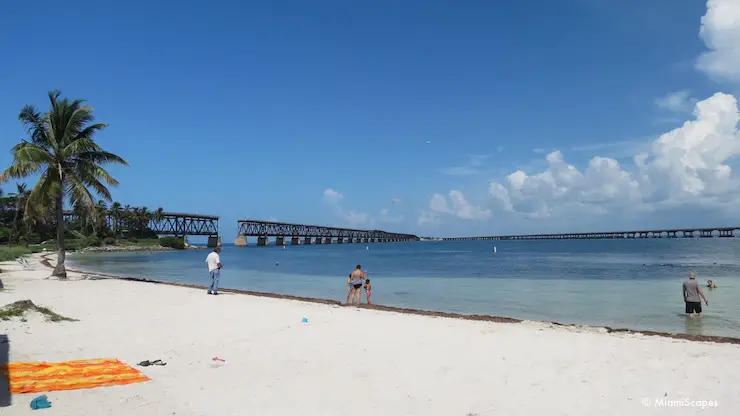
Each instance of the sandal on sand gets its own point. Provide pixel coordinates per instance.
(147, 363)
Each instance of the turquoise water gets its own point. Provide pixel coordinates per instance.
(628, 284)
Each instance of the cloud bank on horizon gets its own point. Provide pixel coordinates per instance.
(688, 166)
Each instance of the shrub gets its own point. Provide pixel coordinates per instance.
(93, 241)
(133, 240)
(172, 242)
(109, 241)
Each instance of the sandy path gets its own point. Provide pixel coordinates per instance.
(347, 361)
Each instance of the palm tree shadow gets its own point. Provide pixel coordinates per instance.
(4, 374)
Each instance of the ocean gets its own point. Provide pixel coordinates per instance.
(633, 284)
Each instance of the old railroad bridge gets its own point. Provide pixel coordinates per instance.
(308, 234)
(183, 225)
(661, 233)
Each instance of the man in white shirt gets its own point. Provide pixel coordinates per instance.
(214, 267)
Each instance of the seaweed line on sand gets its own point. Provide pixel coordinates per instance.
(408, 311)
(20, 308)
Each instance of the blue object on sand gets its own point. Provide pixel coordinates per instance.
(304, 320)
(40, 402)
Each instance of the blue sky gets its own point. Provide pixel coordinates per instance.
(320, 112)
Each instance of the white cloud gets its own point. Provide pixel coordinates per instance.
(720, 31)
(396, 200)
(678, 101)
(357, 219)
(331, 195)
(473, 167)
(427, 217)
(682, 166)
(458, 207)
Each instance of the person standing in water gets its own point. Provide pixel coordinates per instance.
(368, 291)
(213, 260)
(691, 293)
(356, 278)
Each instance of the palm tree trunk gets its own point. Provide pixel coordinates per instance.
(60, 271)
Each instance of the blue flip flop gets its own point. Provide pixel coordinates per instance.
(40, 402)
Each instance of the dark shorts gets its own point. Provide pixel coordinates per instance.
(693, 307)
(359, 285)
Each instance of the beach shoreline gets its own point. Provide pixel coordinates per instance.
(46, 261)
(406, 362)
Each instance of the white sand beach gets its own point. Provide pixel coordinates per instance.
(346, 360)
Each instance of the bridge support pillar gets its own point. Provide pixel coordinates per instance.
(295, 240)
(726, 233)
(318, 240)
(706, 233)
(688, 234)
(280, 241)
(307, 240)
(340, 240)
(214, 241)
(240, 241)
(327, 240)
(262, 240)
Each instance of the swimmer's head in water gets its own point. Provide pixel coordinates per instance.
(359, 267)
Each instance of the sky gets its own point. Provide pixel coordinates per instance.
(437, 118)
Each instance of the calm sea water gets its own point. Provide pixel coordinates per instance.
(630, 284)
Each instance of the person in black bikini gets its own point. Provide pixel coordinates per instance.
(356, 279)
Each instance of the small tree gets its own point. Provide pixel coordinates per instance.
(62, 149)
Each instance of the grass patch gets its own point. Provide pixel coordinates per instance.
(8, 253)
(22, 307)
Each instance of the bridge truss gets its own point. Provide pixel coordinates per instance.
(256, 228)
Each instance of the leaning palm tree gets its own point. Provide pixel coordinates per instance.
(61, 148)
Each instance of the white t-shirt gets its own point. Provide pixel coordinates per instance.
(213, 260)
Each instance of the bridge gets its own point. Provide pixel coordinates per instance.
(166, 223)
(311, 234)
(664, 233)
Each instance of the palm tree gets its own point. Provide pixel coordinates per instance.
(115, 211)
(62, 150)
(158, 214)
(20, 196)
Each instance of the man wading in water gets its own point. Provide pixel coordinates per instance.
(691, 293)
(356, 278)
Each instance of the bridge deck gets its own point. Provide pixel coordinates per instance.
(705, 232)
(259, 228)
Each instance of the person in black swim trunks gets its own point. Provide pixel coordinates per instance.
(357, 277)
(691, 293)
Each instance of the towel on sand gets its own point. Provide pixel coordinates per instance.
(69, 375)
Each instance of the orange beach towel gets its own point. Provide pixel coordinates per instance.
(69, 375)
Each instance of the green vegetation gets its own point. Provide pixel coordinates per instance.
(172, 242)
(13, 252)
(61, 149)
(22, 307)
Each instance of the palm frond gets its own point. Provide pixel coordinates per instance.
(79, 195)
(41, 198)
(102, 158)
(28, 159)
(89, 169)
(90, 131)
(75, 147)
(35, 124)
(87, 178)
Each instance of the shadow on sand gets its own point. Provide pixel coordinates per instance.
(4, 382)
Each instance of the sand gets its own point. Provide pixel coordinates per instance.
(346, 360)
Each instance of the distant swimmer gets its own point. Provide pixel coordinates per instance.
(711, 285)
(691, 293)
